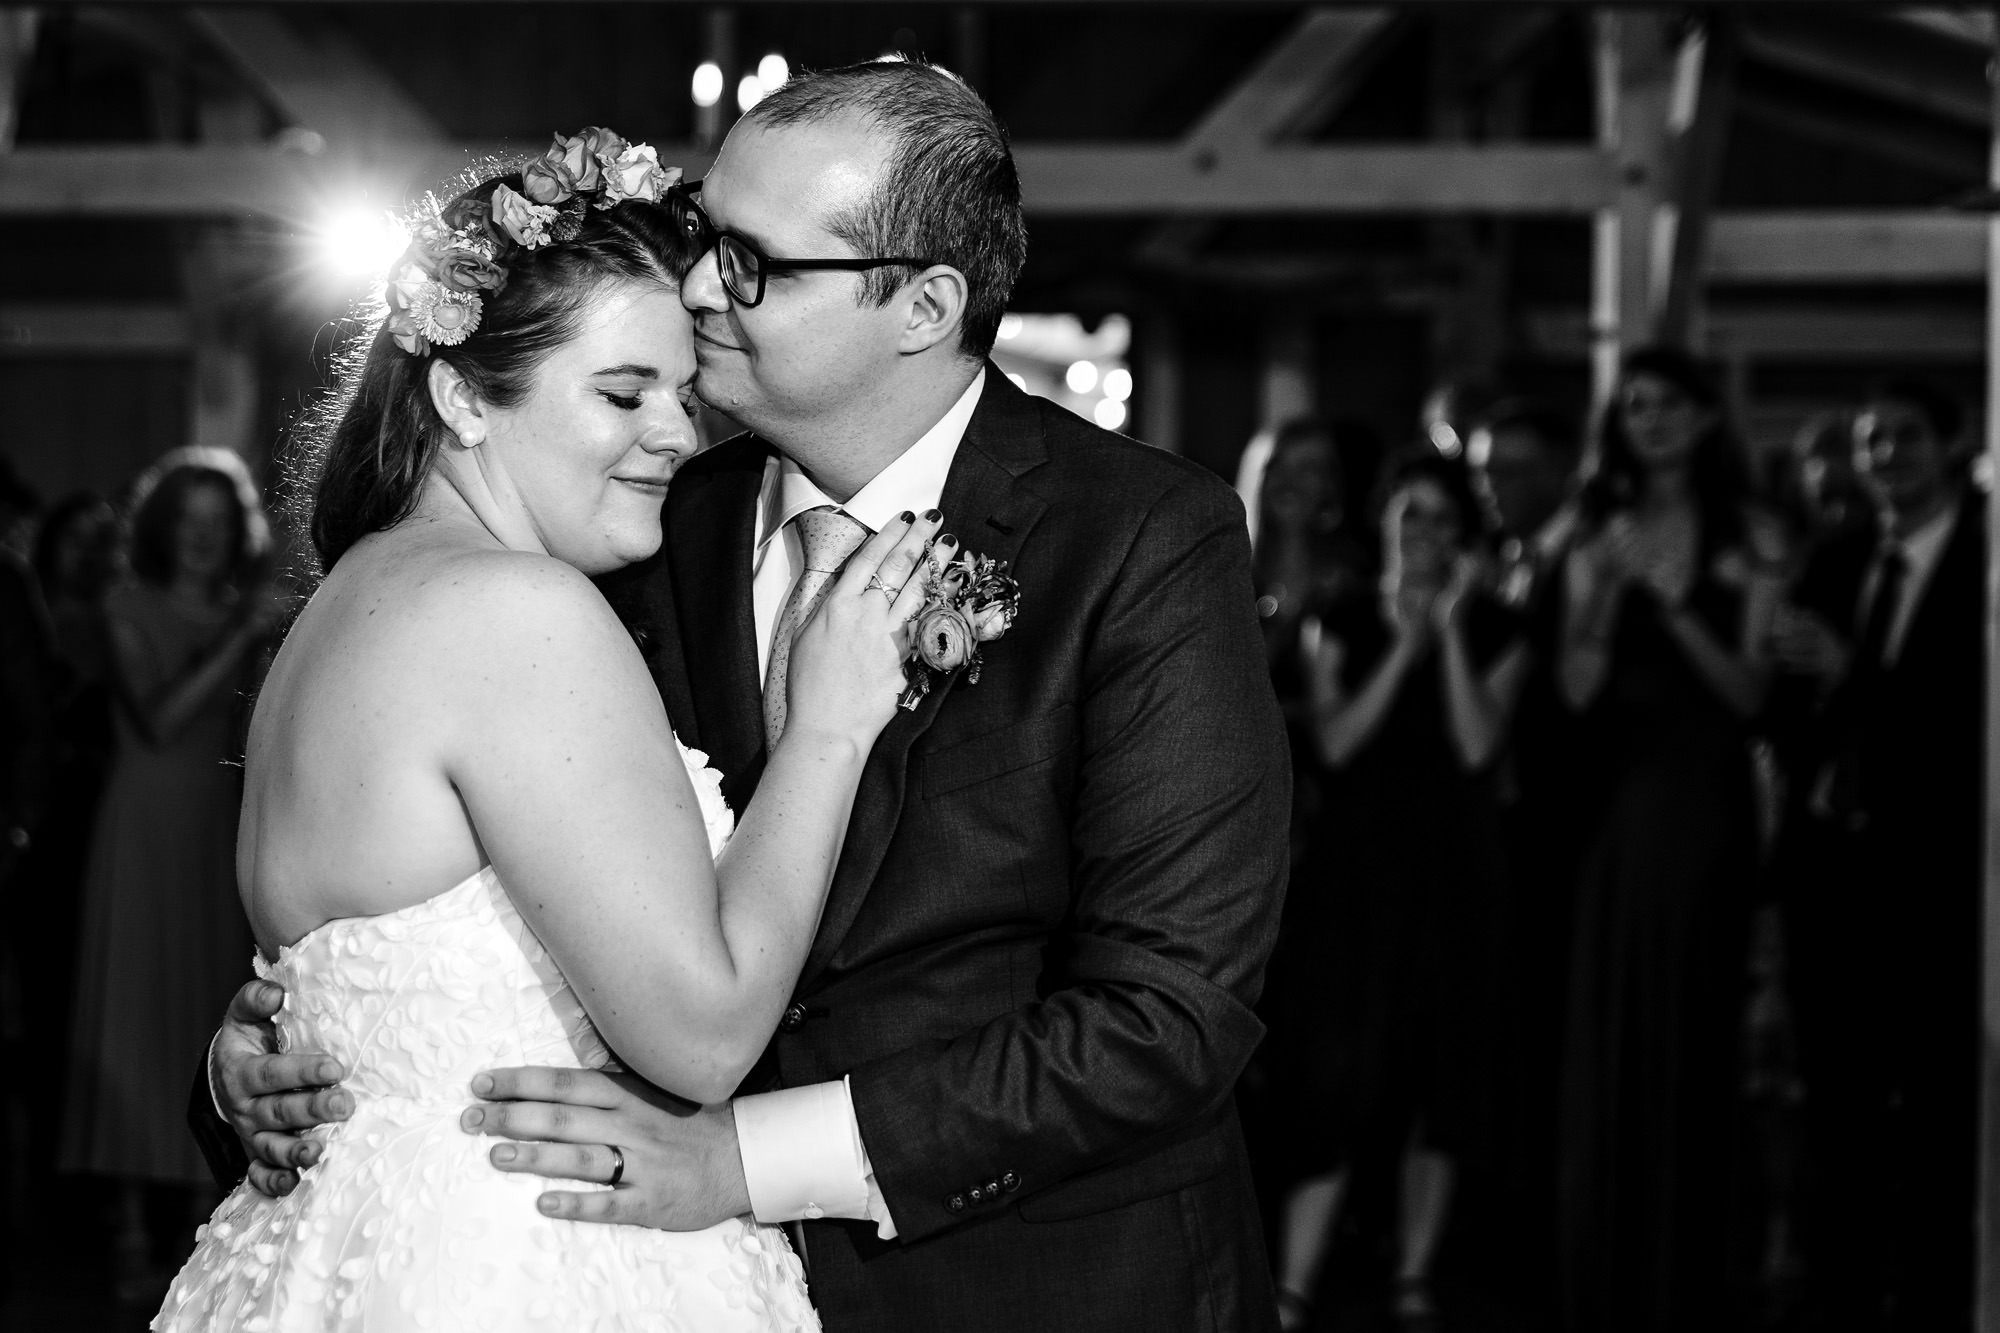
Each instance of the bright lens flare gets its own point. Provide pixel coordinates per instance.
(707, 88)
(749, 92)
(1081, 376)
(358, 242)
(773, 71)
(1109, 413)
(1118, 384)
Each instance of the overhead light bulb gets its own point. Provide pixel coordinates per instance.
(1118, 384)
(1081, 376)
(749, 92)
(772, 71)
(359, 241)
(707, 87)
(1109, 413)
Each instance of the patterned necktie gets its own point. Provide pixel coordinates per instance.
(829, 537)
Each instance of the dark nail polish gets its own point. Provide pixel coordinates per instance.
(947, 538)
(907, 516)
(932, 516)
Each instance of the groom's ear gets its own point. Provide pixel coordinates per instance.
(457, 405)
(936, 309)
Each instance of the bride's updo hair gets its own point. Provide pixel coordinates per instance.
(359, 460)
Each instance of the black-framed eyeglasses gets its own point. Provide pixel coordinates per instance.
(742, 265)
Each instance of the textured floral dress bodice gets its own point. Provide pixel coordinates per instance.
(403, 1224)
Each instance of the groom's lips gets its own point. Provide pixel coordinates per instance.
(701, 337)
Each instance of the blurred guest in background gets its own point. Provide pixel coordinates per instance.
(20, 511)
(1395, 958)
(1880, 873)
(76, 558)
(1665, 619)
(1302, 561)
(1525, 459)
(1832, 497)
(164, 939)
(1305, 554)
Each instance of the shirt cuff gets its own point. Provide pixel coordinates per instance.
(803, 1157)
(208, 1077)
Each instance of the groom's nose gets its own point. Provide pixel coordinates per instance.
(702, 288)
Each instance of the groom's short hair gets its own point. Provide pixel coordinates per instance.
(949, 193)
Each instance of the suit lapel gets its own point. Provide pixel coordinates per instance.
(991, 513)
(711, 523)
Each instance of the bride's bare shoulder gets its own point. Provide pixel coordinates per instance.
(434, 606)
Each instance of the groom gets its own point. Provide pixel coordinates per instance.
(1001, 1096)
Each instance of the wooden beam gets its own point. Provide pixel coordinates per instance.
(1706, 78)
(1887, 69)
(1841, 334)
(317, 77)
(17, 46)
(1311, 70)
(1112, 179)
(31, 329)
(1073, 180)
(1986, 1280)
(1847, 247)
(1299, 84)
(1635, 80)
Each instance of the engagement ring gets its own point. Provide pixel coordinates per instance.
(617, 1165)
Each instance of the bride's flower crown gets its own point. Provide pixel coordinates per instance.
(459, 252)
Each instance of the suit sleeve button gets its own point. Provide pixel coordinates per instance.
(794, 1019)
(956, 1203)
(1010, 1182)
(976, 1194)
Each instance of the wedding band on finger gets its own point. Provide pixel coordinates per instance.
(875, 584)
(617, 1165)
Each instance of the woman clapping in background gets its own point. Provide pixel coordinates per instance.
(1411, 693)
(164, 939)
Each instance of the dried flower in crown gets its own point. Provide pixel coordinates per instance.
(459, 252)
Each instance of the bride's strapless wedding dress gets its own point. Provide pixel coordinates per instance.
(403, 1224)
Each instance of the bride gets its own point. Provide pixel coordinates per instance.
(458, 706)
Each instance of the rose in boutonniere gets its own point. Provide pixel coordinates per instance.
(945, 638)
(989, 622)
(968, 603)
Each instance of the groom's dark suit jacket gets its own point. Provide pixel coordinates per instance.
(1058, 891)
(1056, 898)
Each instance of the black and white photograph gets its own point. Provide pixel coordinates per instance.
(889, 666)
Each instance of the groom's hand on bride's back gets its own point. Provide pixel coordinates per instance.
(682, 1170)
(269, 1098)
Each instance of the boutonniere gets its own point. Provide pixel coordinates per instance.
(968, 602)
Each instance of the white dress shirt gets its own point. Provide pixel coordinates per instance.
(1922, 550)
(801, 1147)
